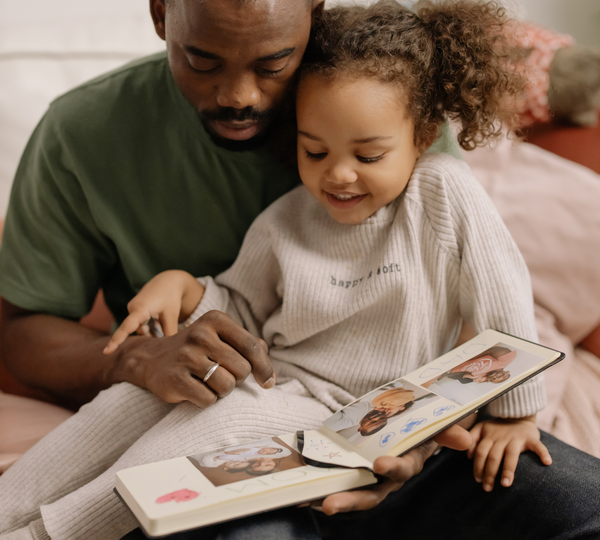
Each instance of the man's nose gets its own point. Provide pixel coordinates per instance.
(238, 91)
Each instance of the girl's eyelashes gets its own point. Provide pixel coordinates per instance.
(315, 156)
(373, 159)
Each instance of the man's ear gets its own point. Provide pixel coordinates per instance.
(158, 12)
(317, 8)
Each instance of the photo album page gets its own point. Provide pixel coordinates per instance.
(401, 414)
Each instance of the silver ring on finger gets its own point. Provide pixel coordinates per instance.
(210, 372)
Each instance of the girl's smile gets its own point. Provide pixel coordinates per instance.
(344, 200)
(356, 148)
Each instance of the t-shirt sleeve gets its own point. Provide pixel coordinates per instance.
(53, 256)
(495, 288)
(249, 291)
(446, 142)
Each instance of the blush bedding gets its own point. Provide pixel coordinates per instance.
(552, 208)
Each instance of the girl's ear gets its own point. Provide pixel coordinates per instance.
(317, 8)
(426, 138)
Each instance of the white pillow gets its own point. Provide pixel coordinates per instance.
(41, 58)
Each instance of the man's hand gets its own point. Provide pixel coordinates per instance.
(397, 471)
(46, 352)
(172, 368)
(201, 363)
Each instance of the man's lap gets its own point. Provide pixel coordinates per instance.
(444, 501)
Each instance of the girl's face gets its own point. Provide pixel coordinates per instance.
(264, 465)
(355, 144)
(236, 465)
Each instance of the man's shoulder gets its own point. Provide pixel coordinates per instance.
(135, 85)
(147, 67)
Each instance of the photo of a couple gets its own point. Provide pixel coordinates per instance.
(378, 409)
(474, 377)
(256, 458)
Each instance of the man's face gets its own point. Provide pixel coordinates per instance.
(268, 451)
(234, 61)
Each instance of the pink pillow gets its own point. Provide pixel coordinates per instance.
(552, 208)
(23, 422)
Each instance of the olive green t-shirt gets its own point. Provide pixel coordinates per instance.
(118, 182)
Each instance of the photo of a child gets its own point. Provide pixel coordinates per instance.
(256, 458)
(472, 378)
(384, 406)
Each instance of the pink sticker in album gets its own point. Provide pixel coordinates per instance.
(181, 495)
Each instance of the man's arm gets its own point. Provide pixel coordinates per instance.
(47, 353)
(65, 358)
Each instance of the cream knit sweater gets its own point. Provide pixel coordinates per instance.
(343, 309)
(346, 308)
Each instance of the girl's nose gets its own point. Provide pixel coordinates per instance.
(341, 173)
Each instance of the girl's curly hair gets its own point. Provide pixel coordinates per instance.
(453, 59)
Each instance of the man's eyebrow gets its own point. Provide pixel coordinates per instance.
(202, 54)
(211, 56)
(280, 54)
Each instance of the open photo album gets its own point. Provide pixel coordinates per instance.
(223, 484)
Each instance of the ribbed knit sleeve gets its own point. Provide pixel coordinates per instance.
(495, 288)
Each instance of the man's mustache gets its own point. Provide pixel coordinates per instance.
(230, 114)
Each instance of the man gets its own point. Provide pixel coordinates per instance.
(126, 173)
(122, 176)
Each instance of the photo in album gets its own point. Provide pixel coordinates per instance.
(250, 460)
(473, 378)
(388, 405)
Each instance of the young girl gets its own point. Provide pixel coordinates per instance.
(357, 277)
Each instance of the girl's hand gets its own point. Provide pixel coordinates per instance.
(498, 439)
(168, 297)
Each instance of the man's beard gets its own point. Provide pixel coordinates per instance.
(228, 114)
